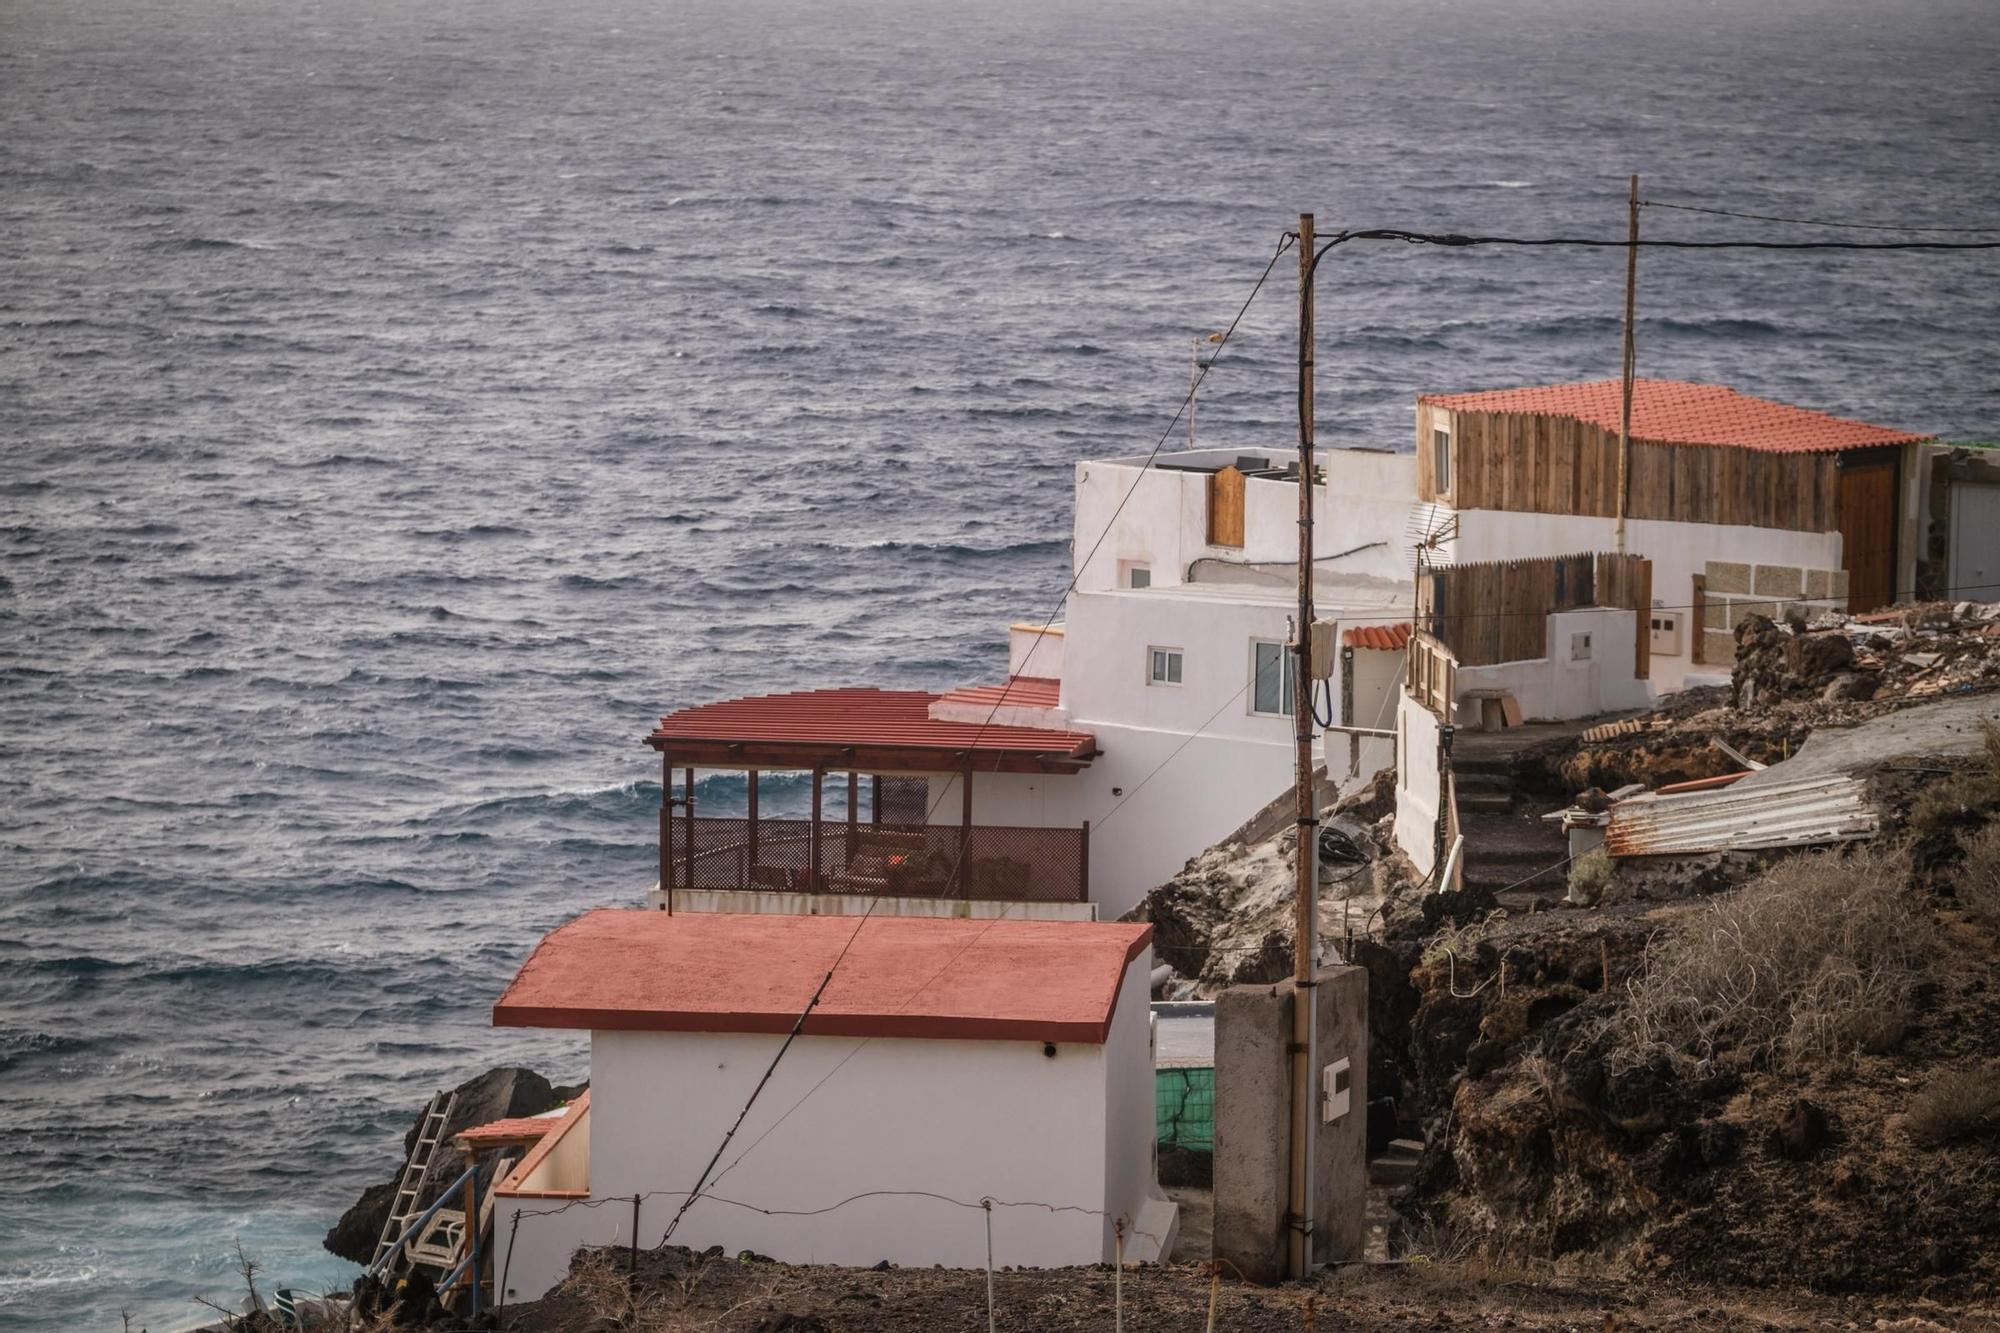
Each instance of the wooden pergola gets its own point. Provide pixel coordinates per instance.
(879, 733)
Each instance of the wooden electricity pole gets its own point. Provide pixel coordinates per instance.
(1625, 382)
(1299, 1199)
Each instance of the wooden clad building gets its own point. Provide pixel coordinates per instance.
(1699, 454)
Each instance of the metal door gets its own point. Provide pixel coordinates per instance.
(1974, 570)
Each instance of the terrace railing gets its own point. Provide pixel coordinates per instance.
(984, 862)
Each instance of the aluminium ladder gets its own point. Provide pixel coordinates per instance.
(409, 1186)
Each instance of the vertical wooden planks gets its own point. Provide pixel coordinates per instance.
(1225, 508)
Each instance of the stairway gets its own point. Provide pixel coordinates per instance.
(1505, 845)
(408, 1203)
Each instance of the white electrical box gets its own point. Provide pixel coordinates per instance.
(1336, 1092)
(1666, 637)
(1579, 647)
(1322, 645)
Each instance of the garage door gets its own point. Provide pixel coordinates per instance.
(1974, 570)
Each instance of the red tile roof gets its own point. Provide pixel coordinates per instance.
(511, 1130)
(1389, 638)
(1017, 692)
(860, 717)
(1677, 412)
(929, 977)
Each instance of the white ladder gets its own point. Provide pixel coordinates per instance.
(408, 1204)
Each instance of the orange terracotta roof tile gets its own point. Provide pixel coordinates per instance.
(1017, 692)
(1678, 412)
(1388, 638)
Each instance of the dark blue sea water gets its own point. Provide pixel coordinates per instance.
(402, 405)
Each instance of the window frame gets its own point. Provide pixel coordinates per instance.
(1130, 570)
(1287, 667)
(1176, 667)
(1441, 459)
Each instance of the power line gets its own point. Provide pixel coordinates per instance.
(1810, 222)
(1456, 240)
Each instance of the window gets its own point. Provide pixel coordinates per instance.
(1441, 460)
(1163, 666)
(1138, 576)
(1271, 678)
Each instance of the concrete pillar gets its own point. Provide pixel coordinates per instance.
(1252, 1108)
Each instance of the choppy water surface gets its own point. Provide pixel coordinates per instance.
(403, 404)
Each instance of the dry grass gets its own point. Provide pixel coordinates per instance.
(1820, 956)
(1956, 1104)
(1979, 876)
(1967, 796)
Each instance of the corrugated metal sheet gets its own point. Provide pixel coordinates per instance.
(1798, 813)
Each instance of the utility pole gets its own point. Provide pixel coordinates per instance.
(1625, 384)
(1194, 383)
(1299, 1199)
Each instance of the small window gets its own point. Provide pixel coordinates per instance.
(1163, 666)
(1270, 678)
(1138, 576)
(1441, 460)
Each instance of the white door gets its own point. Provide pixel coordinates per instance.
(1975, 542)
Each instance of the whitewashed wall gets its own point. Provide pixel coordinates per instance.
(1562, 685)
(1378, 676)
(1164, 524)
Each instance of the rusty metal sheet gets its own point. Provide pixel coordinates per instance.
(1802, 812)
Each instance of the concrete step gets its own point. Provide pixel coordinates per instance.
(1468, 782)
(1397, 1166)
(1486, 802)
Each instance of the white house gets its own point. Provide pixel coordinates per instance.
(947, 1062)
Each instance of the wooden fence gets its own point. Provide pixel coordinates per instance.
(1498, 611)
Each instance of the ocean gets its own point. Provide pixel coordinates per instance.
(403, 405)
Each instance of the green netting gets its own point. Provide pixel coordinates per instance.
(1184, 1107)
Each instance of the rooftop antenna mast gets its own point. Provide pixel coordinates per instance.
(1630, 362)
(1194, 376)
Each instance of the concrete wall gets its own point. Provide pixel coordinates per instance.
(1735, 589)
(1033, 651)
(964, 1119)
(1562, 684)
(1678, 551)
(1419, 782)
(1252, 1123)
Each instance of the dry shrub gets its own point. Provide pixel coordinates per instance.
(607, 1296)
(1968, 796)
(1979, 876)
(1821, 955)
(1588, 875)
(1957, 1104)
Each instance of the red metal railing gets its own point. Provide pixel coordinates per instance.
(906, 860)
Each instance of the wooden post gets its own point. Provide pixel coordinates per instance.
(667, 829)
(875, 799)
(1698, 644)
(751, 860)
(1299, 1198)
(812, 839)
(1625, 380)
(965, 832)
(1347, 711)
(687, 821)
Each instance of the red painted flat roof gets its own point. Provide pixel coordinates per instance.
(1016, 692)
(1390, 638)
(633, 969)
(1677, 412)
(886, 719)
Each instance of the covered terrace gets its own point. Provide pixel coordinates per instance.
(909, 743)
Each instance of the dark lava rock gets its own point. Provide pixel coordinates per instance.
(1813, 657)
(496, 1094)
(786, 1322)
(1850, 685)
(1801, 1132)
